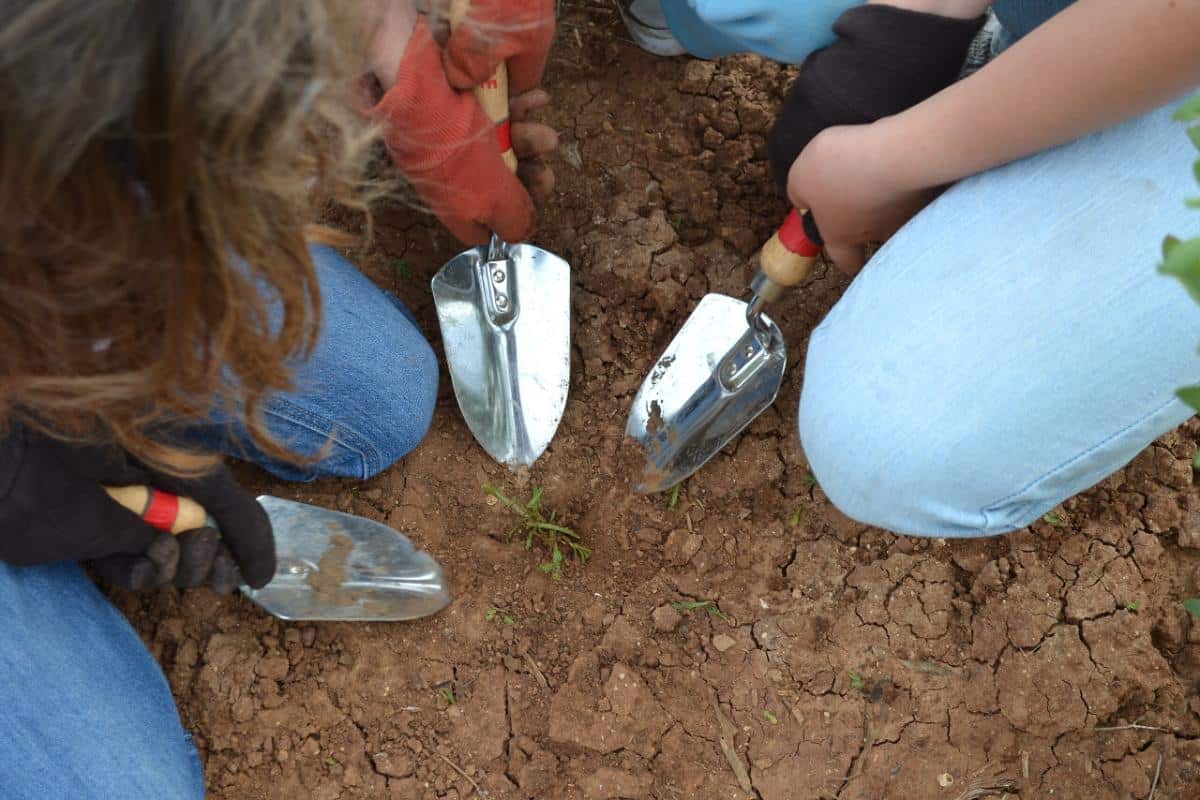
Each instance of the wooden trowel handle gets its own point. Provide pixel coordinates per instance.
(492, 94)
(161, 510)
(789, 254)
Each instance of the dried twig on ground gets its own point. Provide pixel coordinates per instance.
(460, 771)
(537, 673)
(1157, 773)
(1133, 727)
(728, 732)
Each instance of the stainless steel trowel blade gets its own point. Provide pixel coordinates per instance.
(716, 376)
(510, 362)
(341, 568)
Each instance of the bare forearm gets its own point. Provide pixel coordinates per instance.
(1095, 64)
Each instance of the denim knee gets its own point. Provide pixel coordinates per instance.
(411, 405)
(882, 460)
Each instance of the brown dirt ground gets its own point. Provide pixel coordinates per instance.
(846, 662)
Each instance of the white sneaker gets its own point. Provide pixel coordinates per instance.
(646, 23)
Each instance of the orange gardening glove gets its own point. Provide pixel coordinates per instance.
(518, 32)
(448, 149)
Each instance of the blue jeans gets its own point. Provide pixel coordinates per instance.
(1012, 345)
(85, 711)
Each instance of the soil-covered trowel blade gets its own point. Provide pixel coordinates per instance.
(506, 329)
(341, 568)
(716, 376)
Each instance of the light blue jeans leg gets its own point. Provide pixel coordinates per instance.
(781, 31)
(1012, 345)
(367, 393)
(87, 713)
(788, 32)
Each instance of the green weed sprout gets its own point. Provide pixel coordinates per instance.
(543, 527)
(1181, 259)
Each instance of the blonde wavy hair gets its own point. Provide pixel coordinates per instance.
(160, 164)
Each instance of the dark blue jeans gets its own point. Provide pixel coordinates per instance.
(85, 711)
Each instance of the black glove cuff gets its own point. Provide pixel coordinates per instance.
(884, 61)
(12, 456)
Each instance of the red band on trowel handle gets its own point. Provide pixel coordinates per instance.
(793, 237)
(162, 510)
(504, 135)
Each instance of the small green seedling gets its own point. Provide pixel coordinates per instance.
(1054, 519)
(677, 224)
(1192, 606)
(857, 681)
(797, 515)
(1133, 607)
(543, 527)
(447, 694)
(494, 613)
(688, 606)
(402, 269)
(674, 499)
(769, 717)
(810, 480)
(330, 761)
(1181, 257)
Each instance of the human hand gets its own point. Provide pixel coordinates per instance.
(445, 145)
(516, 32)
(54, 507)
(845, 177)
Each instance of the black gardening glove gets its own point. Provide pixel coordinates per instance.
(53, 507)
(885, 60)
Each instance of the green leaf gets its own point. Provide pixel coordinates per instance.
(402, 269)
(1054, 519)
(1196, 462)
(1192, 202)
(535, 499)
(1183, 262)
(769, 717)
(1190, 395)
(507, 619)
(1190, 110)
(1193, 133)
(857, 681)
(1133, 607)
(810, 480)
(674, 501)
(794, 519)
(1169, 244)
(684, 606)
(490, 614)
(1192, 606)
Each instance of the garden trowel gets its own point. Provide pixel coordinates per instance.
(330, 566)
(505, 316)
(722, 369)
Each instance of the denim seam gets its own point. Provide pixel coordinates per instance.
(346, 438)
(990, 509)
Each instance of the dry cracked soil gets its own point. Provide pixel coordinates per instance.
(748, 642)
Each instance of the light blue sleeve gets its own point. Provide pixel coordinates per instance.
(783, 31)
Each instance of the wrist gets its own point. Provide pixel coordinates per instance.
(392, 24)
(917, 149)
